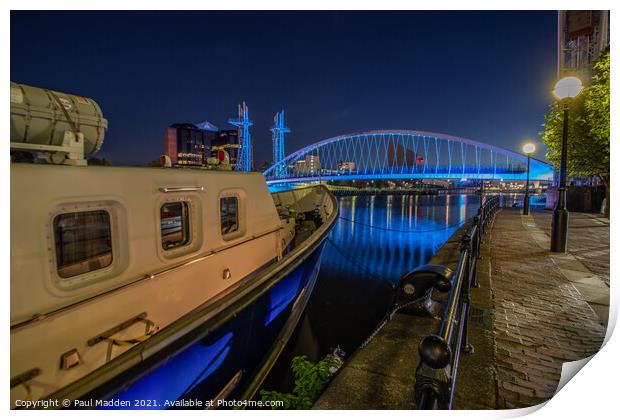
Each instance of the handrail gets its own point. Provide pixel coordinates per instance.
(437, 371)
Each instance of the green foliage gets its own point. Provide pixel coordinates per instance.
(597, 101)
(588, 139)
(310, 380)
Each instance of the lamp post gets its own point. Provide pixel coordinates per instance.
(565, 89)
(528, 149)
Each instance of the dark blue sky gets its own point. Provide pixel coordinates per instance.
(481, 75)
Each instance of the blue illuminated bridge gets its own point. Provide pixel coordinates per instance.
(404, 154)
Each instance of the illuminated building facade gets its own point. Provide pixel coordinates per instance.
(582, 36)
(227, 140)
(344, 167)
(310, 165)
(188, 145)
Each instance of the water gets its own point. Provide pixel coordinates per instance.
(375, 241)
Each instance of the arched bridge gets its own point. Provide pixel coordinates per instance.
(404, 154)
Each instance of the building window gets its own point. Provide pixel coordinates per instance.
(174, 225)
(83, 242)
(229, 215)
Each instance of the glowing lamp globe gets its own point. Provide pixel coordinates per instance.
(568, 87)
(529, 148)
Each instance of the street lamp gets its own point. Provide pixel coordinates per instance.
(528, 149)
(565, 89)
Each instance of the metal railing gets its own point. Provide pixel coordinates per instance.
(440, 352)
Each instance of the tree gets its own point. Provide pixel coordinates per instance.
(588, 131)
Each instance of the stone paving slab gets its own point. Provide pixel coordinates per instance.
(541, 318)
(588, 239)
(593, 287)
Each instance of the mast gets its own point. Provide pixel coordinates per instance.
(243, 123)
(278, 130)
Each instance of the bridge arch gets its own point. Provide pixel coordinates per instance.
(404, 154)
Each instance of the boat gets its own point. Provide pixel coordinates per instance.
(157, 287)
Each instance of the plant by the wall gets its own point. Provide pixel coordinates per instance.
(310, 380)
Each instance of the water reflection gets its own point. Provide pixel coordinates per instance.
(376, 240)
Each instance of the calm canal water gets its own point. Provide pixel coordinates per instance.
(376, 240)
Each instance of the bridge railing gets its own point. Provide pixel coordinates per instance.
(440, 352)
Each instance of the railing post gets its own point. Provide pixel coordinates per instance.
(477, 240)
(440, 353)
(432, 377)
(470, 271)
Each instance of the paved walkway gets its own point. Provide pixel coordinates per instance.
(586, 264)
(541, 318)
(588, 239)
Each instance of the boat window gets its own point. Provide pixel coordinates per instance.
(229, 215)
(174, 225)
(83, 242)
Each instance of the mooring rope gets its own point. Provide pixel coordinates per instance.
(385, 320)
(353, 260)
(386, 317)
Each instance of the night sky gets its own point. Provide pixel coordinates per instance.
(481, 75)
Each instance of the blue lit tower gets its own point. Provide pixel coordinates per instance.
(243, 123)
(277, 138)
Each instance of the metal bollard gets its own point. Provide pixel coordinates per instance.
(432, 377)
(415, 288)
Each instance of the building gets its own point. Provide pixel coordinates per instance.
(400, 157)
(582, 36)
(310, 165)
(187, 145)
(346, 167)
(227, 140)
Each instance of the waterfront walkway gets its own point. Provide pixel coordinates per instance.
(543, 313)
(533, 311)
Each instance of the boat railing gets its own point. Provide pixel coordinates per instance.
(303, 200)
(436, 374)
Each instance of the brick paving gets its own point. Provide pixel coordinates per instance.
(540, 319)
